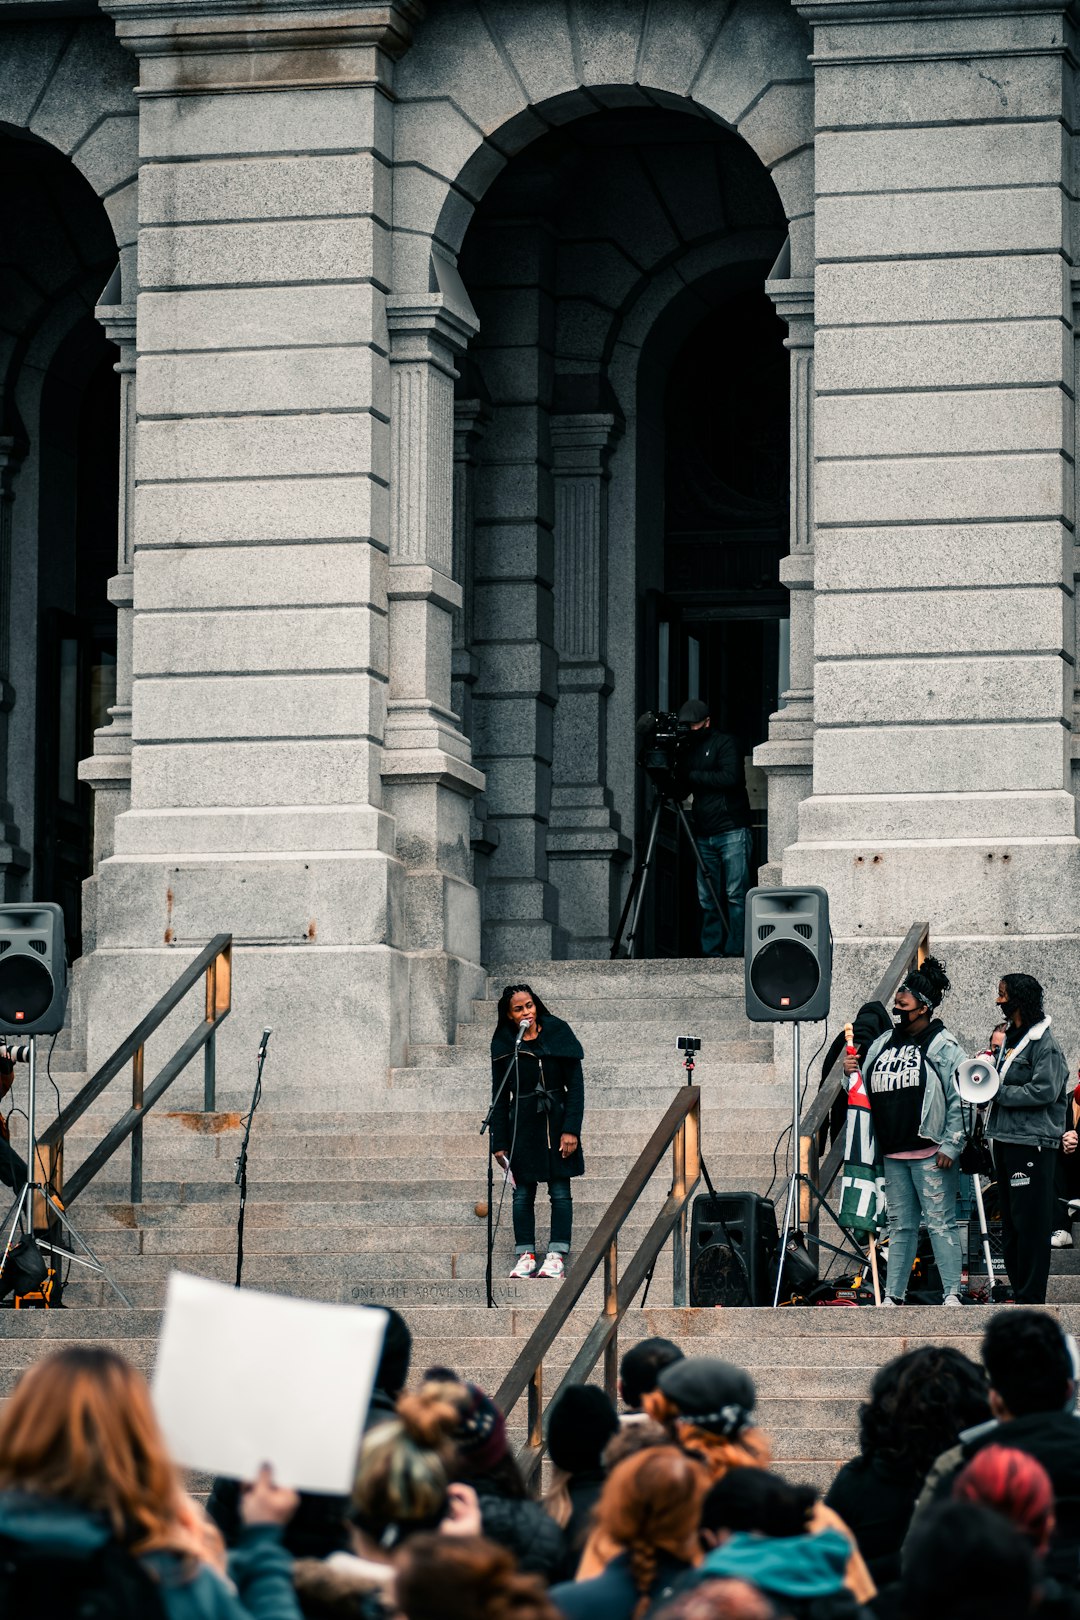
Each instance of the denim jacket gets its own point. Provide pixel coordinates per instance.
(942, 1119)
(1030, 1108)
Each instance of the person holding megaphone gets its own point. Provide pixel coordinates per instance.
(918, 1123)
(1026, 1125)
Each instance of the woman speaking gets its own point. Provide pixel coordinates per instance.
(536, 1120)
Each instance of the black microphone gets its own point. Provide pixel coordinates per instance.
(267, 1032)
(526, 1023)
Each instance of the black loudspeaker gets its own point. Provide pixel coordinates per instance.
(788, 961)
(33, 969)
(733, 1243)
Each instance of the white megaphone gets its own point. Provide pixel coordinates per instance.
(977, 1080)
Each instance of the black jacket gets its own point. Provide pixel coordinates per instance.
(712, 770)
(551, 1101)
(876, 1504)
(1052, 1438)
(613, 1595)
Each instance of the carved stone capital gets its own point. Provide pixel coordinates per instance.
(197, 47)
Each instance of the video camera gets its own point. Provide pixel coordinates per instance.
(663, 737)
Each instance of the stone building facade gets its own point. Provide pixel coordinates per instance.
(407, 322)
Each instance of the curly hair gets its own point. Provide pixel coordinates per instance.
(651, 1503)
(1027, 994)
(919, 1404)
(467, 1578)
(929, 981)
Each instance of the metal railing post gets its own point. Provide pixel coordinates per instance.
(678, 1236)
(611, 1310)
(209, 1084)
(138, 1062)
(536, 1406)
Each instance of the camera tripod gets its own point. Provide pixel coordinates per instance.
(635, 895)
(21, 1213)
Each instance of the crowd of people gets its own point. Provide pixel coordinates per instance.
(963, 1500)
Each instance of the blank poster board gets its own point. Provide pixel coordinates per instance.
(244, 1378)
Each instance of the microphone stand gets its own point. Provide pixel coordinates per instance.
(486, 1126)
(242, 1158)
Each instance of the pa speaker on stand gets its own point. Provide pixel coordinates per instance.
(788, 980)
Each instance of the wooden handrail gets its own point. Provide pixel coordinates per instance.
(215, 962)
(679, 1129)
(914, 949)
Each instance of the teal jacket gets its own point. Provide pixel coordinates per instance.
(796, 1567)
(942, 1119)
(260, 1567)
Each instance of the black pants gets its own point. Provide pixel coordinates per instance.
(12, 1167)
(1067, 1186)
(1025, 1179)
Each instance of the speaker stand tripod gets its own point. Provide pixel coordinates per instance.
(635, 895)
(21, 1213)
(798, 1179)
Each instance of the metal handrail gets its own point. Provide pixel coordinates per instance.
(215, 962)
(680, 1129)
(914, 950)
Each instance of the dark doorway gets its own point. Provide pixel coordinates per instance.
(77, 624)
(718, 630)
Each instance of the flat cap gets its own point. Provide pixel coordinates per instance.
(710, 1393)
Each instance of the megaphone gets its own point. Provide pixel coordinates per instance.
(977, 1080)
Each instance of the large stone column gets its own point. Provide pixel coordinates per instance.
(261, 536)
(427, 761)
(108, 769)
(14, 860)
(515, 691)
(943, 494)
(787, 756)
(585, 845)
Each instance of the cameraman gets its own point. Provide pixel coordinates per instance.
(711, 768)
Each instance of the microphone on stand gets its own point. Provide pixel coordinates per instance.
(526, 1023)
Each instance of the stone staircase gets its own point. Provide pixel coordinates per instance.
(380, 1207)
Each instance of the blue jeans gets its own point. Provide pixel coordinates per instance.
(914, 1188)
(562, 1216)
(727, 861)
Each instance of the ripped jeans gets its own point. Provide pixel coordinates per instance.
(914, 1189)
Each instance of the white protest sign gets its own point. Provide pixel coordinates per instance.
(245, 1378)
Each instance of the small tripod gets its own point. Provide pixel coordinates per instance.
(21, 1213)
(635, 895)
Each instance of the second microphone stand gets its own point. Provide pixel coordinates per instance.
(242, 1157)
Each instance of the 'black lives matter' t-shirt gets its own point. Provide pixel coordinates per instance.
(897, 1086)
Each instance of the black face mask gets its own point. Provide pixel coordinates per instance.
(1007, 1008)
(904, 1017)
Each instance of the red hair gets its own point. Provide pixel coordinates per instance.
(80, 1427)
(1013, 1484)
(651, 1503)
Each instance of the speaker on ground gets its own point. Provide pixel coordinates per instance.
(733, 1242)
(33, 969)
(788, 957)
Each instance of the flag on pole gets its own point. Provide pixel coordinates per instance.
(862, 1185)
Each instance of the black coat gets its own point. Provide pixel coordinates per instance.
(713, 770)
(551, 1101)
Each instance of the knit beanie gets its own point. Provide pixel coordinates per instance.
(580, 1424)
(481, 1435)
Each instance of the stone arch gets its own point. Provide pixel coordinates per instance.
(480, 83)
(71, 84)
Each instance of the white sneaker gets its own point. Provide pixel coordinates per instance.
(1061, 1239)
(526, 1265)
(553, 1267)
(952, 1299)
(888, 1300)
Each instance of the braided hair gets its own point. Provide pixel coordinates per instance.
(651, 1503)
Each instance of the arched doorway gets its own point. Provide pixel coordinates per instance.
(715, 623)
(568, 242)
(59, 411)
